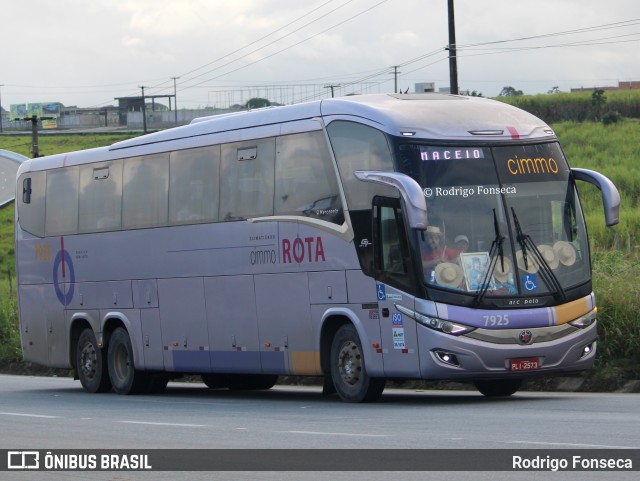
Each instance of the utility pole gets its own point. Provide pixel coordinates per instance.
(453, 66)
(144, 111)
(35, 151)
(395, 79)
(175, 100)
(331, 87)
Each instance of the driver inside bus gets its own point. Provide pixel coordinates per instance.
(434, 250)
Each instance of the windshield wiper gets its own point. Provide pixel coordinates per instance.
(521, 238)
(546, 272)
(496, 245)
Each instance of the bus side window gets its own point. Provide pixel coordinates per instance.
(193, 190)
(145, 191)
(391, 258)
(359, 147)
(306, 183)
(100, 197)
(61, 204)
(247, 179)
(31, 205)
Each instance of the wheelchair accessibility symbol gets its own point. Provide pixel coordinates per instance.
(530, 282)
(382, 294)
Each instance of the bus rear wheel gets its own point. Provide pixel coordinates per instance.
(216, 381)
(348, 369)
(91, 363)
(125, 378)
(498, 387)
(252, 382)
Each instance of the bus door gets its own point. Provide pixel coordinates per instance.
(393, 273)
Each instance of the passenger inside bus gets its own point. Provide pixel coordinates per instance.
(461, 243)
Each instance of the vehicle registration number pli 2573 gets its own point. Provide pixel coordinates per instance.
(528, 364)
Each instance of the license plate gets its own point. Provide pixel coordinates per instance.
(529, 364)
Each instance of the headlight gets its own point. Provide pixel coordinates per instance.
(434, 323)
(586, 320)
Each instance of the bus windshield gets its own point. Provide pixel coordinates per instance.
(503, 221)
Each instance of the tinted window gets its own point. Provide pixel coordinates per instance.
(31, 202)
(145, 191)
(100, 197)
(246, 179)
(306, 183)
(193, 194)
(358, 147)
(62, 201)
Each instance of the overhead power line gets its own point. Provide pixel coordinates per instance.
(283, 49)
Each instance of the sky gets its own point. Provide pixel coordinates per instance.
(220, 52)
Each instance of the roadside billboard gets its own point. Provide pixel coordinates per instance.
(48, 111)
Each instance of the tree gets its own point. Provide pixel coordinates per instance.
(554, 90)
(510, 92)
(598, 99)
(257, 103)
(474, 93)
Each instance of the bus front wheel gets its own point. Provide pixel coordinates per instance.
(91, 364)
(348, 369)
(125, 378)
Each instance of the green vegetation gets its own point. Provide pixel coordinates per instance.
(9, 330)
(612, 149)
(57, 144)
(6, 241)
(616, 284)
(576, 107)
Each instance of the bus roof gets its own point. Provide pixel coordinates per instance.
(432, 117)
(425, 116)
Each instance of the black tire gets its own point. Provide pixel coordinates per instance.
(91, 364)
(498, 387)
(125, 378)
(156, 383)
(215, 381)
(252, 382)
(348, 369)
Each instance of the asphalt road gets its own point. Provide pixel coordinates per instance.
(54, 413)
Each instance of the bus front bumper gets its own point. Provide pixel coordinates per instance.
(448, 357)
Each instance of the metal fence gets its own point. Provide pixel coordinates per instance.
(155, 120)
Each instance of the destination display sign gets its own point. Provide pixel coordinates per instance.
(450, 153)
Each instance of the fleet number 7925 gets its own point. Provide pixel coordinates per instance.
(496, 320)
